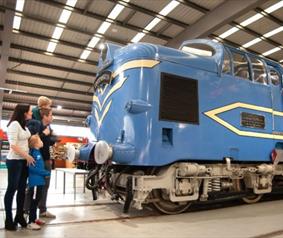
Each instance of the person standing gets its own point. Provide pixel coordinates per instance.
(17, 160)
(36, 180)
(45, 132)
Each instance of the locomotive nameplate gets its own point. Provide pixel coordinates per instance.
(252, 120)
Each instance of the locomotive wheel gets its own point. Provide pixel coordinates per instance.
(254, 198)
(164, 204)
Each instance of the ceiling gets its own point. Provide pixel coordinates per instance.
(37, 61)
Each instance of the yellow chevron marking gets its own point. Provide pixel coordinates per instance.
(129, 65)
(99, 120)
(212, 114)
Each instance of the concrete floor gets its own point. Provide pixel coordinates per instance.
(102, 218)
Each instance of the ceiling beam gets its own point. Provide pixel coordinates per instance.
(104, 18)
(57, 113)
(220, 16)
(56, 67)
(55, 98)
(48, 77)
(57, 55)
(5, 38)
(54, 105)
(45, 87)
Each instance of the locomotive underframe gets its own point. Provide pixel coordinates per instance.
(185, 182)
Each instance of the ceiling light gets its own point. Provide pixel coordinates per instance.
(20, 5)
(59, 107)
(57, 33)
(101, 46)
(17, 22)
(152, 24)
(252, 42)
(269, 52)
(65, 15)
(93, 42)
(274, 7)
(169, 7)
(71, 3)
(116, 11)
(103, 27)
(138, 37)
(251, 19)
(229, 32)
(51, 46)
(273, 32)
(10, 90)
(85, 54)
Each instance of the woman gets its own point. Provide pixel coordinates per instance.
(17, 160)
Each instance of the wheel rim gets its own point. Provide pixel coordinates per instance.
(166, 206)
(252, 198)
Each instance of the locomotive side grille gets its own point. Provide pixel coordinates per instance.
(178, 99)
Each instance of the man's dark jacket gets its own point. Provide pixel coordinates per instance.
(36, 127)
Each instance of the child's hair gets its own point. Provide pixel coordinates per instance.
(33, 140)
(44, 102)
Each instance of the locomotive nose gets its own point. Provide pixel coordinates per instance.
(102, 152)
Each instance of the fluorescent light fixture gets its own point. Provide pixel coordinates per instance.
(281, 61)
(274, 7)
(85, 54)
(59, 107)
(101, 46)
(251, 19)
(138, 37)
(152, 24)
(17, 22)
(252, 42)
(103, 27)
(10, 90)
(116, 11)
(20, 5)
(51, 46)
(215, 40)
(65, 15)
(71, 3)
(269, 52)
(229, 32)
(273, 32)
(169, 7)
(57, 32)
(93, 42)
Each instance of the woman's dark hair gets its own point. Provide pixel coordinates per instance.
(19, 114)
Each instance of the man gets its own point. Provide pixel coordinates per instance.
(43, 129)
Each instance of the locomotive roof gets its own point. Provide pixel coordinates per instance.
(210, 63)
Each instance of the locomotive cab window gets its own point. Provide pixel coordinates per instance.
(241, 66)
(274, 76)
(199, 49)
(226, 66)
(178, 99)
(258, 71)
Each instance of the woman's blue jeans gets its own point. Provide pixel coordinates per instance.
(17, 180)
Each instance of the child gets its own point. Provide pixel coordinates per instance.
(36, 180)
(42, 102)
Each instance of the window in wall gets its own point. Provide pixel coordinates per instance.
(258, 71)
(241, 66)
(226, 66)
(274, 76)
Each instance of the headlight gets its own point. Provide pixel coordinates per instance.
(102, 152)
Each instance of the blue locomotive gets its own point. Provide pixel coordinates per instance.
(178, 126)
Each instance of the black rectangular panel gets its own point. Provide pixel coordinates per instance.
(178, 99)
(252, 120)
